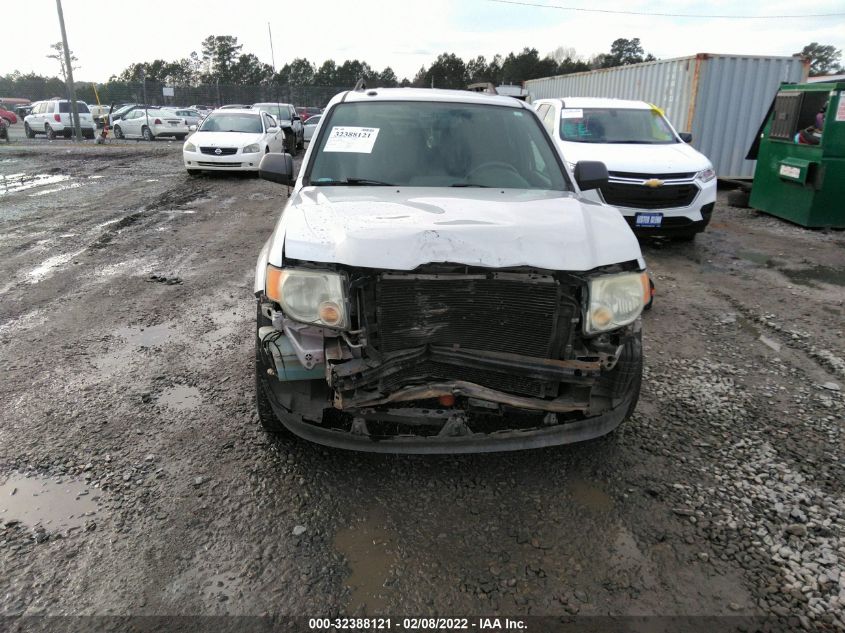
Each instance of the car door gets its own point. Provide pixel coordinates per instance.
(273, 134)
(132, 123)
(36, 122)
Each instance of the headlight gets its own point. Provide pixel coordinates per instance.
(252, 149)
(308, 296)
(190, 147)
(706, 175)
(616, 300)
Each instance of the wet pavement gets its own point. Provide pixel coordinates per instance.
(126, 350)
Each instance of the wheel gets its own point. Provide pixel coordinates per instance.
(147, 133)
(30, 133)
(118, 133)
(8, 122)
(51, 133)
(739, 198)
(266, 417)
(180, 137)
(301, 143)
(194, 172)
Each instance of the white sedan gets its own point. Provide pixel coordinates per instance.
(311, 126)
(232, 140)
(150, 124)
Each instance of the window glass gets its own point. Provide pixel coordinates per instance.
(64, 107)
(549, 119)
(615, 125)
(223, 122)
(435, 144)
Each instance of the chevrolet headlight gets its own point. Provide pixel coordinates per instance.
(706, 175)
(252, 149)
(309, 296)
(616, 300)
(190, 147)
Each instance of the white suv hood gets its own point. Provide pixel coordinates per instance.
(645, 159)
(404, 228)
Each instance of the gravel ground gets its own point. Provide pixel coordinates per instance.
(135, 479)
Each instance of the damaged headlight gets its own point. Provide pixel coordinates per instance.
(616, 300)
(309, 296)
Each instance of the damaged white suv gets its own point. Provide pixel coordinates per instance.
(436, 283)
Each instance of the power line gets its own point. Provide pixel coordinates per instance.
(671, 15)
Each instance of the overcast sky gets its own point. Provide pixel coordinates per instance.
(403, 34)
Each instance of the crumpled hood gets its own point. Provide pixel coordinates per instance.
(655, 159)
(404, 228)
(224, 139)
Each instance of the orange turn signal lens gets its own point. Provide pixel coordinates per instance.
(272, 283)
(646, 281)
(330, 313)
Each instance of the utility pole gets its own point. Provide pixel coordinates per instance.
(77, 131)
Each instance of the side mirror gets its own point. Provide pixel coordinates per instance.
(590, 174)
(276, 168)
(686, 137)
(297, 118)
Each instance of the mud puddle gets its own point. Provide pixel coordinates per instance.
(589, 496)
(145, 336)
(15, 183)
(370, 554)
(810, 276)
(181, 397)
(53, 504)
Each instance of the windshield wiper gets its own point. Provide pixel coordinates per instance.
(469, 184)
(352, 182)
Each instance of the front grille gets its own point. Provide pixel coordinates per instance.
(495, 313)
(224, 151)
(642, 197)
(208, 164)
(639, 176)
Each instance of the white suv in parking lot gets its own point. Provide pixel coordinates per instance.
(438, 283)
(54, 118)
(659, 182)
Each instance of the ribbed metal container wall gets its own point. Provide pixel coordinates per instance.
(721, 99)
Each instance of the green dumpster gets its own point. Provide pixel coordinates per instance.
(800, 174)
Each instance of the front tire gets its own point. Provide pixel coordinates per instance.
(51, 133)
(118, 133)
(301, 143)
(290, 144)
(147, 133)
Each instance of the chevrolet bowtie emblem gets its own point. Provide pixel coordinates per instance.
(654, 183)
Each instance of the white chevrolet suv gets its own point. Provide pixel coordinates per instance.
(438, 283)
(54, 118)
(659, 182)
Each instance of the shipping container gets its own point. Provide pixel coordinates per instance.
(720, 99)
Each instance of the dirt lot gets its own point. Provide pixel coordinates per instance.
(127, 406)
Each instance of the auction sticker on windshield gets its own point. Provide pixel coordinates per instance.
(359, 140)
(572, 113)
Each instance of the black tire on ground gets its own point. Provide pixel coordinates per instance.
(739, 198)
(301, 143)
(30, 133)
(290, 144)
(266, 417)
(51, 133)
(8, 121)
(118, 133)
(180, 137)
(147, 133)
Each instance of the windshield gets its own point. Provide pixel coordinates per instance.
(64, 107)
(615, 125)
(248, 123)
(435, 144)
(280, 112)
